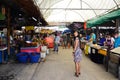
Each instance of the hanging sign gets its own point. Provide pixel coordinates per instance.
(85, 26)
(28, 28)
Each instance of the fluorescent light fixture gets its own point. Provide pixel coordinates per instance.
(34, 19)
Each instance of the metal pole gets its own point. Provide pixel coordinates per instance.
(97, 32)
(118, 25)
(8, 31)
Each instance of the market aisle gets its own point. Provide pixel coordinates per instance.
(56, 67)
(61, 67)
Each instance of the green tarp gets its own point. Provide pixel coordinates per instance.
(2, 17)
(102, 19)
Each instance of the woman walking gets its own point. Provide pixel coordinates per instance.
(77, 54)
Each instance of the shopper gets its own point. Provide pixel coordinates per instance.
(56, 41)
(77, 54)
(68, 40)
(117, 40)
(64, 41)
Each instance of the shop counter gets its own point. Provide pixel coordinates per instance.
(96, 53)
(95, 56)
(114, 62)
(103, 52)
(31, 49)
(115, 55)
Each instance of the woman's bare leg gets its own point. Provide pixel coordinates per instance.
(79, 71)
(77, 68)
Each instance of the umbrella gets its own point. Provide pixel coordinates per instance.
(67, 31)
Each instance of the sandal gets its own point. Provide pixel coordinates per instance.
(77, 75)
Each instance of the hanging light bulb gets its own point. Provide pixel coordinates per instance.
(3, 10)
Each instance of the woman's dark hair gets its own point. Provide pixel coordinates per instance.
(94, 42)
(56, 34)
(116, 32)
(77, 36)
(77, 32)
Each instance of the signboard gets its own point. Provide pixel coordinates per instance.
(28, 28)
(93, 51)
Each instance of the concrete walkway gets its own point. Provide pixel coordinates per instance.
(58, 67)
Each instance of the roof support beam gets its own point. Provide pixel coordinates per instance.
(71, 9)
(116, 3)
(81, 4)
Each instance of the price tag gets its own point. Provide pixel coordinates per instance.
(93, 51)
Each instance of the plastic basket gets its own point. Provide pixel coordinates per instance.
(12, 50)
(22, 57)
(34, 57)
(5, 58)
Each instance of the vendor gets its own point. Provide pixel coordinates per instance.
(87, 37)
(117, 40)
(35, 39)
(109, 42)
(92, 38)
(102, 40)
(81, 37)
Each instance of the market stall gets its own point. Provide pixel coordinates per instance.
(96, 52)
(95, 56)
(49, 39)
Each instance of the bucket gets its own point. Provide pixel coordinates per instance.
(12, 51)
(22, 57)
(43, 54)
(47, 52)
(0, 56)
(3, 56)
(34, 57)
